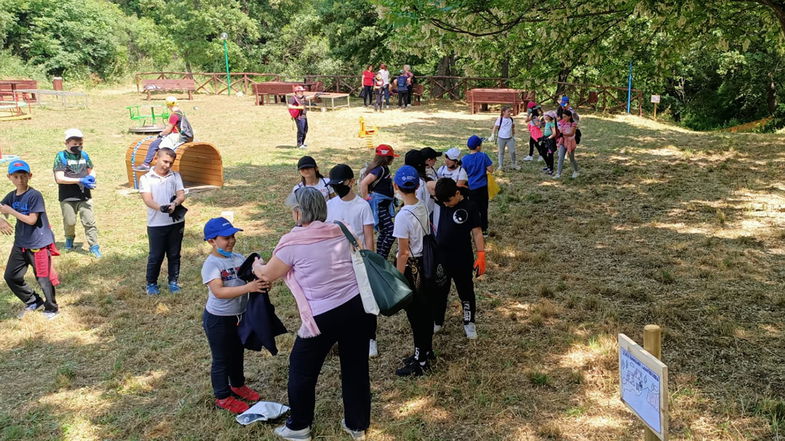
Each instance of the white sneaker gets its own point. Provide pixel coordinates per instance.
(557, 176)
(539, 159)
(293, 435)
(575, 175)
(437, 328)
(355, 434)
(528, 158)
(471, 331)
(373, 350)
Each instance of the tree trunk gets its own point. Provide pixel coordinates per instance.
(442, 86)
(771, 94)
(778, 8)
(564, 74)
(506, 72)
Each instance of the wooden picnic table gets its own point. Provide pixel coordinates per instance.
(312, 99)
(277, 88)
(513, 97)
(10, 90)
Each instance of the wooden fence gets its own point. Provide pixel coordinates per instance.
(211, 82)
(601, 98)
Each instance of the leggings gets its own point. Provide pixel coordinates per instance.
(533, 144)
(503, 143)
(562, 153)
(385, 240)
(403, 98)
(367, 95)
(462, 275)
(379, 94)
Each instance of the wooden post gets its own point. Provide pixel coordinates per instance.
(652, 342)
(655, 111)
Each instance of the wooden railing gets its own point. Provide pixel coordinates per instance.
(602, 98)
(435, 86)
(211, 82)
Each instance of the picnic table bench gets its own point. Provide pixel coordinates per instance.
(513, 97)
(10, 90)
(185, 84)
(279, 89)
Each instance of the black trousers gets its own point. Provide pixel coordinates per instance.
(227, 351)
(419, 312)
(533, 144)
(547, 148)
(403, 98)
(367, 95)
(15, 271)
(302, 130)
(480, 198)
(462, 276)
(164, 241)
(346, 325)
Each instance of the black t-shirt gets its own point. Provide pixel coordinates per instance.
(73, 165)
(384, 185)
(30, 236)
(454, 230)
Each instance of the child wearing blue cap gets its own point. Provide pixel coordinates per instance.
(477, 165)
(411, 225)
(227, 299)
(33, 242)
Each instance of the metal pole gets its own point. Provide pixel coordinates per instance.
(229, 78)
(629, 88)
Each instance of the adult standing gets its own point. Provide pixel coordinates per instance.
(178, 131)
(298, 111)
(368, 77)
(385, 83)
(407, 70)
(314, 259)
(564, 104)
(162, 191)
(75, 178)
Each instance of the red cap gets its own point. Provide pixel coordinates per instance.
(385, 150)
(531, 105)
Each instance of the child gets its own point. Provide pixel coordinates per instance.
(402, 85)
(548, 143)
(478, 165)
(377, 188)
(378, 92)
(424, 192)
(178, 131)
(411, 225)
(299, 114)
(227, 298)
(456, 221)
(75, 177)
(33, 242)
(430, 155)
(356, 214)
(566, 143)
(452, 168)
(534, 122)
(310, 177)
(505, 127)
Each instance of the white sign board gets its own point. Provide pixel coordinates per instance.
(655, 98)
(644, 385)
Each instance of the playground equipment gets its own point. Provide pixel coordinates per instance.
(148, 121)
(12, 111)
(369, 133)
(199, 163)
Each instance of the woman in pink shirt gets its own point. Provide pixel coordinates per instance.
(314, 259)
(368, 78)
(566, 143)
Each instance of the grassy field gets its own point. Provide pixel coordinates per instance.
(665, 226)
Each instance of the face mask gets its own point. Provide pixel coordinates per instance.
(75, 148)
(224, 253)
(341, 190)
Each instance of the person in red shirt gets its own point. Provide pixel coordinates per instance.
(177, 131)
(368, 79)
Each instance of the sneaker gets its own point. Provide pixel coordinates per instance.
(540, 159)
(293, 435)
(30, 308)
(51, 314)
(232, 404)
(557, 176)
(141, 168)
(355, 434)
(437, 328)
(545, 169)
(575, 175)
(246, 393)
(96, 252)
(528, 158)
(69, 244)
(304, 146)
(431, 356)
(414, 368)
(152, 289)
(174, 288)
(301, 146)
(516, 167)
(471, 331)
(373, 349)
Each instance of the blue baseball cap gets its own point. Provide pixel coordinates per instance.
(564, 100)
(407, 178)
(474, 142)
(219, 226)
(18, 165)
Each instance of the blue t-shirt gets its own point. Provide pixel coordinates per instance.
(476, 165)
(30, 236)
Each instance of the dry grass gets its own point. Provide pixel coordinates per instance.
(665, 226)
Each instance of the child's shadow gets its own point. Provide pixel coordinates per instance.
(286, 146)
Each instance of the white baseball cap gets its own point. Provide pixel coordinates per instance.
(171, 101)
(453, 154)
(73, 133)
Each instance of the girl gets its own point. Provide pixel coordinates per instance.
(386, 83)
(548, 143)
(505, 127)
(378, 92)
(533, 114)
(310, 177)
(376, 187)
(368, 77)
(566, 142)
(452, 168)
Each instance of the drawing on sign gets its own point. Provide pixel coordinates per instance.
(655, 99)
(641, 389)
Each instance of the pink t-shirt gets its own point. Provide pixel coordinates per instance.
(324, 271)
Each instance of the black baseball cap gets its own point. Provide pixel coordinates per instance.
(306, 162)
(429, 153)
(340, 174)
(414, 158)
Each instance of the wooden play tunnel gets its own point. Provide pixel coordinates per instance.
(199, 163)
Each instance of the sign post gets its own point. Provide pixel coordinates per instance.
(643, 382)
(655, 99)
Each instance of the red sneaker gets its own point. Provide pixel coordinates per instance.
(246, 393)
(232, 404)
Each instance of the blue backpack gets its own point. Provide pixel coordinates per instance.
(402, 83)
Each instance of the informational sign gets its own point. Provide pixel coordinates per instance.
(655, 98)
(644, 385)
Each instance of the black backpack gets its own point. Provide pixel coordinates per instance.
(432, 267)
(184, 127)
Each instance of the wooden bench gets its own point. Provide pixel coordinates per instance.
(513, 97)
(9, 88)
(185, 85)
(277, 89)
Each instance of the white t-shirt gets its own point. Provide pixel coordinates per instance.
(385, 76)
(424, 196)
(355, 214)
(321, 185)
(412, 223)
(456, 174)
(224, 268)
(505, 127)
(162, 189)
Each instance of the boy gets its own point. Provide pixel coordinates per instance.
(33, 242)
(477, 165)
(75, 178)
(356, 214)
(456, 221)
(227, 299)
(411, 225)
(178, 131)
(162, 191)
(298, 112)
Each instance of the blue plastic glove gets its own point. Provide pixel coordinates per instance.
(88, 181)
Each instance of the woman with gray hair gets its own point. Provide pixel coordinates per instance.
(314, 259)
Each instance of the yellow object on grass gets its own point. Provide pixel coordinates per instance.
(493, 187)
